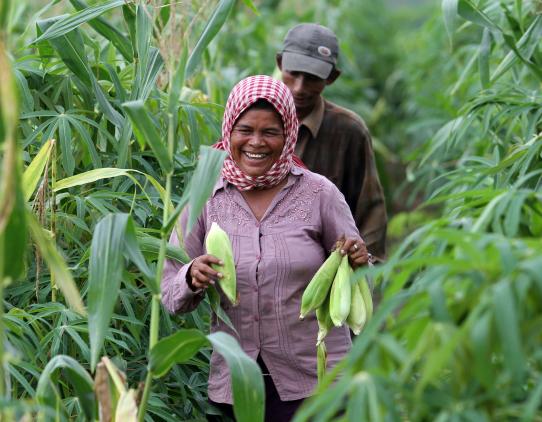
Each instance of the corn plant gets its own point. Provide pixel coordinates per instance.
(457, 333)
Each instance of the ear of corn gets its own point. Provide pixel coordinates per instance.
(218, 244)
(358, 314)
(340, 297)
(367, 298)
(324, 321)
(321, 361)
(318, 288)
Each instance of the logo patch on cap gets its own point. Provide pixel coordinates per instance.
(324, 51)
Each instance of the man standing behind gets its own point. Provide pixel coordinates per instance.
(332, 140)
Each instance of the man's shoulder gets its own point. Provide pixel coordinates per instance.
(336, 115)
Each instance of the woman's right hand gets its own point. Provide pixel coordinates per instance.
(201, 272)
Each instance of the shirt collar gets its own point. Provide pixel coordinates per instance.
(222, 183)
(313, 121)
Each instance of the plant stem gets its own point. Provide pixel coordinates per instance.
(2, 329)
(52, 204)
(155, 306)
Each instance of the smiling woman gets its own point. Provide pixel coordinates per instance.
(257, 139)
(282, 221)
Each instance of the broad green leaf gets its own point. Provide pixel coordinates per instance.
(483, 58)
(146, 133)
(214, 301)
(481, 344)
(507, 323)
(131, 247)
(449, 10)
(151, 245)
(526, 46)
(76, 375)
(33, 173)
(177, 348)
(70, 48)
(472, 13)
(71, 22)
(177, 81)
(246, 378)
(66, 145)
(56, 263)
(219, 16)
(251, 6)
(202, 182)
(119, 40)
(105, 273)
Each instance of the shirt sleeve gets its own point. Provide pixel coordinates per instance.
(337, 220)
(177, 296)
(364, 192)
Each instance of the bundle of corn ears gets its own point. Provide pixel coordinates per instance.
(336, 299)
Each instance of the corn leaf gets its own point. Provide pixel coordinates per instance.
(117, 38)
(219, 16)
(246, 378)
(177, 348)
(56, 263)
(105, 273)
(34, 171)
(71, 22)
(146, 132)
(202, 182)
(76, 375)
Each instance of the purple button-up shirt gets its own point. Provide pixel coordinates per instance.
(275, 258)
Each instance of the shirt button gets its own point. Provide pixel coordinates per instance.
(258, 257)
(256, 318)
(256, 289)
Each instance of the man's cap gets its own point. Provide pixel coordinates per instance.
(310, 48)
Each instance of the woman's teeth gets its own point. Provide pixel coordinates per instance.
(255, 156)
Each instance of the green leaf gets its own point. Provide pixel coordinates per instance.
(66, 24)
(177, 348)
(525, 47)
(105, 273)
(70, 48)
(119, 40)
(56, 263)
(202, 182)
(151, 245)
(483, 58)
(76, 375)
(246, 378)
(218, 18)
(66, 145)
(251, 6)
(506, 318)
(470, 12)
(146, 133)
(449, 10)
(33, 173)
(214, 301)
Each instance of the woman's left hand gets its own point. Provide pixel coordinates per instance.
(357, 252)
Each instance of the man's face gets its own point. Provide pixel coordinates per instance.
(305, 88)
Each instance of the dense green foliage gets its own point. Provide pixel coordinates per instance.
(131, 93)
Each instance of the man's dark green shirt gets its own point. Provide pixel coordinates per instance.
(336, 143)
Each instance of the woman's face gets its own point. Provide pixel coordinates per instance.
(257, 139)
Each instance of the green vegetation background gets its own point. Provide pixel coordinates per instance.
(451, 92)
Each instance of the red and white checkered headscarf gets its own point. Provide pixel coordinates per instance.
(242, 96)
